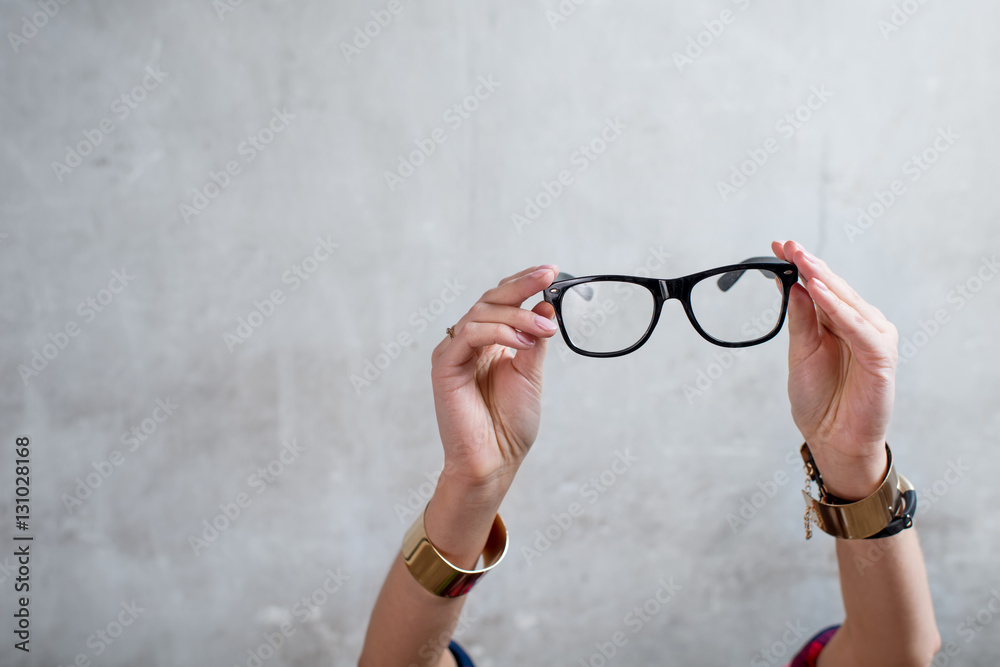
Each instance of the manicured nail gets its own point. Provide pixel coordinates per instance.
(809, 256)
(547, 266)
(525, 338)
(820, 285)
(540, 272)
(545, 323)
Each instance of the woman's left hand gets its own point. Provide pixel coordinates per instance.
(841, 375)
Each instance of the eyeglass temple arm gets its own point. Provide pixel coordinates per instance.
(729, 279)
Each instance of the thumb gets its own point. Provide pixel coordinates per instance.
(803, 324)
(529, 362)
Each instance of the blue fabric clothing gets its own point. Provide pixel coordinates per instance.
(461, 657)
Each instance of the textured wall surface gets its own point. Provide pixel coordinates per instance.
(199, 248)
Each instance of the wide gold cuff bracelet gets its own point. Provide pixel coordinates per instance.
(861, 519)
(435, 573)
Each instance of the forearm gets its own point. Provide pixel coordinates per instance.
(889, 615)
(409, 625)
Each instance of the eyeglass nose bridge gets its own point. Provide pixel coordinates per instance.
(670, 288)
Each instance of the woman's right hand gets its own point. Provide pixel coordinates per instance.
(488, 381)
(487, 395)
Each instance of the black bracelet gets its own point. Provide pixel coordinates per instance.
(901, 522)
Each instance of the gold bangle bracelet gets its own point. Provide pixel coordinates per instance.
(435, 573)
(861, 519)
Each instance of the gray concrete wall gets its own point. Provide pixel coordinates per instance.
(329, 122)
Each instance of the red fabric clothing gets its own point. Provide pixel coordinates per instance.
(809, 654)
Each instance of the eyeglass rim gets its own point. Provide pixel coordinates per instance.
(680, 289)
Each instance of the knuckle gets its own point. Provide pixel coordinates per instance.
(500, 331)
(477, 311)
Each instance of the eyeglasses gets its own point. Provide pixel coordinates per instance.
(609, 316)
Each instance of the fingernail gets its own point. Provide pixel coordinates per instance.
(547, 266)
(819, 285)
(545, 323)
(525, 338)
(809, 256)
(540, 272)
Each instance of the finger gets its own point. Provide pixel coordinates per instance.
(867, 342)
(470, 335)
(515, 291)
(475, 335)
(803, 325)
(530, 362)
(778, 248)
(493, 324)
(526, 272)
(523, 320)
(812, 267)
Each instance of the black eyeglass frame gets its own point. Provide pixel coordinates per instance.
(664, 289)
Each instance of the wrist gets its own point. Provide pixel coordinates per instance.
(851, 477)
(459, 517)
